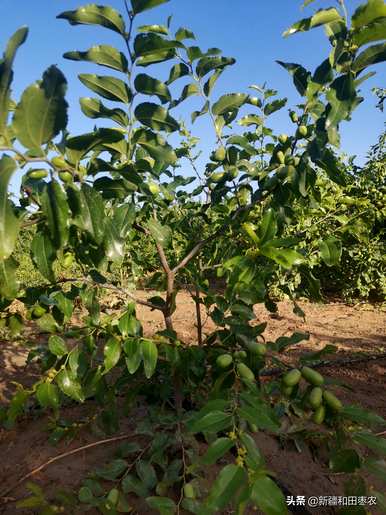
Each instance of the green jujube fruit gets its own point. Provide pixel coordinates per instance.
(240, 354)
(38, 311)
(256, 348)
(315, 397)
(59, 162)
(189, 491)
(319, 415)
(294, 117)
(283, 138)
(249, 230)
(292, 377)
(224, 360)
(287, 390)
(219, 154)
(65, 176)
(302, 131)
(280, 157)
(245, 372)
(312, 376)
(332, 401)
(37, 174)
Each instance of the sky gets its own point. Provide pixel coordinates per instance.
(248, 30)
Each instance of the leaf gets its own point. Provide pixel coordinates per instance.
(113, 470)
(251, 119)
(204, 110)
(56, 211)
(150, 356)
(263, 417)
(88, 210)
(253, 459)
(143, 5)
(123, 219)
(94, 108)
(177, 71)
(107, 87)
(69, 385)
(146, 474)
(208, 64)
(149, 86)
(371, 441)
(57, 346)
(6, 75)
(375, 31)
(274, 106)
(268, 227)
(155, 117)
(104, 55)
(157, 147)
(345, 460)
(188, 91)
(43, 255)
(321, 17)
(342, 99)
(368, 12)
(9, 223)
(284, 257)
(300, 75)
(48, 395)
(157, 29)
(225, 487)
(148, 45)
(133, 354)
(372, 55)
(268, 496)
(47, 323)
(376, 468)
(112, 353)
(42, 111)
(9, 286)
(164, 505)
(161, 233)
(362, 416)
(92, 14)
(331, 251)
(211, 422)
(183, 33)
(229, 102)
(216, 450)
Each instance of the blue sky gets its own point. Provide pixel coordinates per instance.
(249, 30)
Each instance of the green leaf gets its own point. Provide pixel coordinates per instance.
(113, 470)
(268, 227)
(43, 255)
(372, 55)
(211, 422)
(150, 356)
(56, 211)
(217, 450)
(112, 353)
(342, 98)
(146, 474)
(321, 17)
(268, 496)
(157, 29)
(48, 395)
(155, 117)
(331, 251)
(94, 108)
(287, 258)
(229, 102)
(345, 460)
(178, 70)
(274, 106)
(93, 14)
(157, 147)
(208, 64)
(263, 417)
(42, 111)
(373, 442)
(149, 86)
(188, 91)
(104, 55)
(375, 31)
(164, 505)
(368, 12)
(148, 45)
(183, 33)
(85, 495)
(9, 223)
(204, 110)
(9, 286)
(161, 233)
(6, 75)
(143, 5)
(299, 74)
(88, 210)
(78, 146)
(132, 348)
(123, 219)
(57, 346)
(376, 468)
(47, 323)
(254, 460)
(362, 416)
(69, 385)
(250, 119)
(107, 87)
(225, 487)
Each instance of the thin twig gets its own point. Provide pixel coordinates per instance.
(60, 457)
